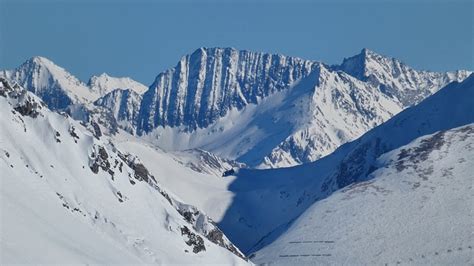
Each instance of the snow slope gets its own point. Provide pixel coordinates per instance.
(415, 208)
(265, 200)
(70, 197)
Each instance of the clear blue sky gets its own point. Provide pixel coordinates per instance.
(142, 38)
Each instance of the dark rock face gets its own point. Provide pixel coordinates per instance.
(97, 132)
(99, 159)
(25, 104)
(28, 108)
(228, 172)
(72, 132)
(194, 240)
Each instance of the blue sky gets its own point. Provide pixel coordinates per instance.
(142, 38)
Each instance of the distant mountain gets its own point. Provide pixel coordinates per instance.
(395, 78)
(53, 84)
(70, 196)
(272, 110)
(207, 84)
(59, 89)
(124, 106)
(104, 84)
(264, 110)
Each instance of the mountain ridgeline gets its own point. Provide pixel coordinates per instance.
(205, 85)
(225, 94)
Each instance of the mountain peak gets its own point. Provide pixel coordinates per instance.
(104, 83)
(39, 59)
(366, 52)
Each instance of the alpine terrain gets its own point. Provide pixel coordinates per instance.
(238, 157)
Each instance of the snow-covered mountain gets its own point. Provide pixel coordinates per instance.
(264, 110)
(70, 196)
(104, 84)
(53, 84)
(207, 84)
(274, 111)
(266, 200)
(395, 78)
(59, 89)
(164, 195)
(123, 105)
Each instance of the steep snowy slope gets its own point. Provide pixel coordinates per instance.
(274, 111)
(267, 199)
(416, 208)
(70, 197)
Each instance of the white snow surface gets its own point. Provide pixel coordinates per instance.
(416, 208)
(104, 84)
(56, 210)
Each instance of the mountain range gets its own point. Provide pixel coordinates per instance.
(237, 157)
(221, 100)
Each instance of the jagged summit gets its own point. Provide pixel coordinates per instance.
(357, 65)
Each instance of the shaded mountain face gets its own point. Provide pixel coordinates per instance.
(72, 197)
(123, 105)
